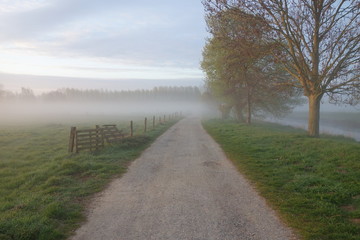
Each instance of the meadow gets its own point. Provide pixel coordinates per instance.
(44, 189)
(314, 183)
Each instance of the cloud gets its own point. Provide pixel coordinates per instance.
(156, 33)
(25, 25)
(13, 6)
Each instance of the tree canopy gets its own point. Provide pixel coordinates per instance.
(240, 71)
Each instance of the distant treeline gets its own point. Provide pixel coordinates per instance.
(71, 94)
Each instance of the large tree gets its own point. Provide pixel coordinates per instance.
(320, 41)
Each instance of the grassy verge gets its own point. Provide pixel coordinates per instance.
(43, 189)
(313, 183)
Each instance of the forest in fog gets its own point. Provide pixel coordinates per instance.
(71, 94)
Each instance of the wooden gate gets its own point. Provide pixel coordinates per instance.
(86, 140)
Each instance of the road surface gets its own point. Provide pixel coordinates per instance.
(182, 187)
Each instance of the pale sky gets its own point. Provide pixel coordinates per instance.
(101, 39)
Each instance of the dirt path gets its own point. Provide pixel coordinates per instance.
(182, 187)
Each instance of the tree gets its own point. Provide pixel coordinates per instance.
(2, 92)
(238, 67)
(219, 78)
(27, 94)
(320, 42)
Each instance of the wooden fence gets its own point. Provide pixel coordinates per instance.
(95, 139)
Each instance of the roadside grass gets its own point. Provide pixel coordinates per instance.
(44, 189)
(313, 183)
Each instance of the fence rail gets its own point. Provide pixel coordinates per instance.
(94, 139)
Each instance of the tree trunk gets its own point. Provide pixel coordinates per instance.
(239, 112)
(225, 111)
(314, 115)
(248, 120)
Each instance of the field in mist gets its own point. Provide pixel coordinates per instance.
(71, 106)
(22, 113)
(333, 123)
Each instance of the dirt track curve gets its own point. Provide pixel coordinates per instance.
(182, 187)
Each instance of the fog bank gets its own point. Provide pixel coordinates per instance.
(71, 113)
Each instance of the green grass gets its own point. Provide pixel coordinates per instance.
(44, 190)
(313, 183)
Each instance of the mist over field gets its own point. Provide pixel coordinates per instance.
(345, 123)
(74, 106)
(334, 119)
(71, 105)
(41, 112)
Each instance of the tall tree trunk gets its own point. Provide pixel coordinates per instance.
(314, 115)
(239, 112)
(248, 120)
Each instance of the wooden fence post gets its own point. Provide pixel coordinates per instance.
(159, 119)
(72, 139)
(164, 118)
(153, 121)
(131, 128)
(145, 125)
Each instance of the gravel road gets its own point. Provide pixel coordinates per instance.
(182, 187)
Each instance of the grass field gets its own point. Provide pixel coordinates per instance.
(44, 189)
(313, 183)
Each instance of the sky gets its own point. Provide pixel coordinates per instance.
(84, 43)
